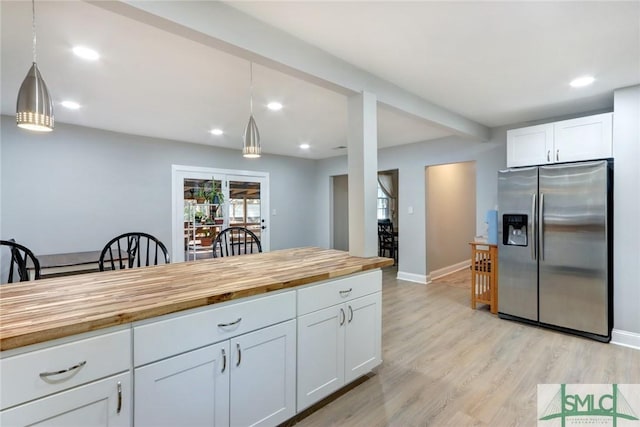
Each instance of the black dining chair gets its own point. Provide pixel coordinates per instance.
(132, 250)
(22, 259)
(236, 241)
(387, 242)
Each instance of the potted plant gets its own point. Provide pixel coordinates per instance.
(201, 196)
(206, 239)
(216, 196)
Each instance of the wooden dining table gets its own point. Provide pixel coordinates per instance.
(67, 263)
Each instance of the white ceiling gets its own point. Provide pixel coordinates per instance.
(495, 63)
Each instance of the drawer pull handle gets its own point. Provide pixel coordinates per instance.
(548, 155)
(224, 361)
(342, 318)
(239, 354)
(119, 397)
(558, 155)
(224, 325)
(350, 314)
(347, 292)
(73, 368)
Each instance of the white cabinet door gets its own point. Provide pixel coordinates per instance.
(101, 403)
(584, 138)
(528, 146)
(363, 336)
(320, 354)
(263, 376)
(191, 389)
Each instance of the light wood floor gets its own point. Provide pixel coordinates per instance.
(448, 365)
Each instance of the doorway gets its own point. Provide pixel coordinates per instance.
(387, 205)
(206, 201)
(450, 216)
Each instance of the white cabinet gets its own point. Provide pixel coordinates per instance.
(530, 145)
(263, 376)
(339, 343)
(249, 378)
(584, 138)
(191, 389)
(101, 403)
(363, 331)
(86, 382)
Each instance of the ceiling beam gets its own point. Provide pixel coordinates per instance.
(225, 28)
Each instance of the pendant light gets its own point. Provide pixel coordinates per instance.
(251, 149)
(34, 108)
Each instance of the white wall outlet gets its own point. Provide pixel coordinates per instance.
(410, 210)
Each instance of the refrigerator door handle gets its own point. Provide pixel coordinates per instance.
(532, 237)
(541, 228)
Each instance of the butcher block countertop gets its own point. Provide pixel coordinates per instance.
(42, 310)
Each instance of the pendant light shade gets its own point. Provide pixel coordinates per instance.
(34, 108)
(251, 149)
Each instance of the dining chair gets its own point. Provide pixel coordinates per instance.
(21, 260)
(387, 242)
(236, 241)
(132, 250)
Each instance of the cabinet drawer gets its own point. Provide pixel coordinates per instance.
(177, 334)
(316, 297)
(85, 360)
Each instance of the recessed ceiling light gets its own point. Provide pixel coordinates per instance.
(71, 105)
(274, 106)
(86, 53)
(582, 81)
(216, 131)
(304, 146)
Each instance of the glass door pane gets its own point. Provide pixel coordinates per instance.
(203, 215)
(246, 207)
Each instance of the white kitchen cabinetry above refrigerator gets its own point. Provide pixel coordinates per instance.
(584, 138)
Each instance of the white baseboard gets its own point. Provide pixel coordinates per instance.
(411, 277)
(625, 338)
(436, 274)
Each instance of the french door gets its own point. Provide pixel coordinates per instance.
(206, 201)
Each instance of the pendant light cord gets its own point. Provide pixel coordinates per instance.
(33, 27)
(251, 87)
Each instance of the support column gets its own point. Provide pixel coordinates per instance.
(363, 174)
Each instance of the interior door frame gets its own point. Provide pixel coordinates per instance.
(178, 175)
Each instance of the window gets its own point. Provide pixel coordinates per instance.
(383, 205)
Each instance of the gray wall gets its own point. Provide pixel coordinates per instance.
(410, 160)
(341, 212)
(451, 213)
(626, 200)
(75, 188)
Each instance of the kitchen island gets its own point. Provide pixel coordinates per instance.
(262, 336)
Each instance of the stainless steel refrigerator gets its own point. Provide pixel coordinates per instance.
(555, 249)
